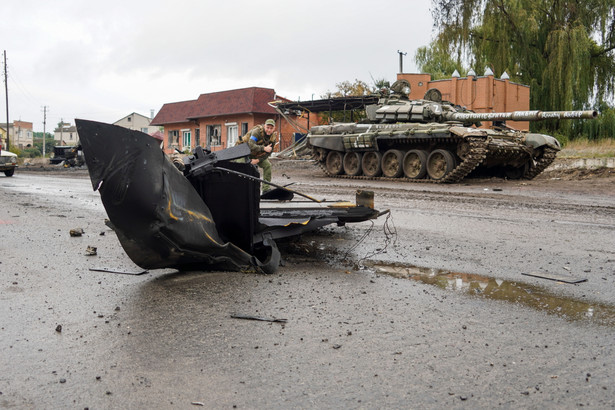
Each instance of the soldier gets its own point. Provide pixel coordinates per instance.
(262, 140)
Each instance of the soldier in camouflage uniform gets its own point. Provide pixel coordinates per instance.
(262, 140)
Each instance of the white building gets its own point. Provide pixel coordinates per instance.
(137, 122)
(66, 134)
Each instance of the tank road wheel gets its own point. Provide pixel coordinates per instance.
(352, 163)
(392, 161)
(371, 164)
(334, 163)
(319, 154)
(415, 164)
(440, 163)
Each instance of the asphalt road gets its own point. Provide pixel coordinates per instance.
(427, 309)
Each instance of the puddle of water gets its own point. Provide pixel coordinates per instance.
(524, 294)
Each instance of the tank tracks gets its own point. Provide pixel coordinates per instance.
(546, 159)
(473, 158)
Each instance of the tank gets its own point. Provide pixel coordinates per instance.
(430, 140)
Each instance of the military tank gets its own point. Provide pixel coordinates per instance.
(430, 140)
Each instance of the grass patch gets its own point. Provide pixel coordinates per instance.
(583, 148)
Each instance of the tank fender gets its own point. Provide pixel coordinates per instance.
(539, 140)
(331, 142)
(468, 132)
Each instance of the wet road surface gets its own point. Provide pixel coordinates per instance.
(430, 309)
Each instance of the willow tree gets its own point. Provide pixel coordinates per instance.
(563, 49)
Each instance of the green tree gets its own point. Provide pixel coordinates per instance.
(563, 49)
(346, 88)
(438, 61)
(49, 142)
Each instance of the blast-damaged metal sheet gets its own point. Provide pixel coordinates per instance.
(207, 216)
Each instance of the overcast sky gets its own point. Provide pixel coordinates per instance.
(102, 60)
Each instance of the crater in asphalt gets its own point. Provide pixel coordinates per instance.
(524, 294)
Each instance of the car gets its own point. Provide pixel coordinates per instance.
(8, 162)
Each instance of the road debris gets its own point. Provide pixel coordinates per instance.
(120, 271)
(76, 232)
(559, 278)
(90, 251)
(262, 319)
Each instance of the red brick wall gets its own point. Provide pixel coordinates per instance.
(284, 129)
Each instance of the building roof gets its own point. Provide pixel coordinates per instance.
(72, 128)
(132, 115)
(172, 113)
(158, 135)
(240, 101)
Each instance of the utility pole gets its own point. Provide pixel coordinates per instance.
(44, 130)
(401, 61)
(6, 89)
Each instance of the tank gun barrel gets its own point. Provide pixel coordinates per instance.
(522, 116)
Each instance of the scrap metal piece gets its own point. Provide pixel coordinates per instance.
(262, 319)
(559, 278)
(76, 232)
(160, 220)
(119, 271)
(279, 194)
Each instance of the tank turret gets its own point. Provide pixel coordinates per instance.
(397, 107)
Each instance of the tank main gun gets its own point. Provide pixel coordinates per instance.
(519, 116)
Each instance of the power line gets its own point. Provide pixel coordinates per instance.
(45, 108)
(6, 89)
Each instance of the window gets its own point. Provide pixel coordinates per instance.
(197, 137)
(186, 138)
(213, 135)
(231, 135)
(244, 128)
(173, 138)
(144, 130)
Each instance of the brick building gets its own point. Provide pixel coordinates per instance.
(20, 134)
(477, 93)
(218, 119)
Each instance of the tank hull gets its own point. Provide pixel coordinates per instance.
(430, 152)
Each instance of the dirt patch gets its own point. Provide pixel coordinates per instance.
(578, 174)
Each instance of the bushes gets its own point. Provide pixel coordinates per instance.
(33, 152)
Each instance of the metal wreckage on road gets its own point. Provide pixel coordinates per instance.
(210, 216)
(427, 140)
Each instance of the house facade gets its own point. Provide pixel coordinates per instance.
(477, 93)
(65, 134)
(20, 134)
(217, 120)
(135, 121)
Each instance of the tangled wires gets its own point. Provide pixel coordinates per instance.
(390, 236)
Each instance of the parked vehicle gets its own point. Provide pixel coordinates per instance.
(8, 162)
